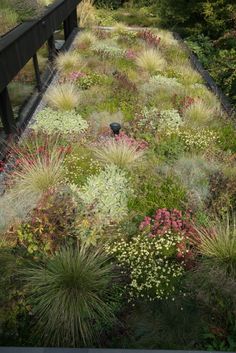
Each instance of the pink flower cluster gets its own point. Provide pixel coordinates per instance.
(130, 54)
(150, 38)
(2, 166)
(178, 223)
(139, 144)
(76, 75)
(165, 220)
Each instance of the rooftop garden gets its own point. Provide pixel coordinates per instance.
(117, 224)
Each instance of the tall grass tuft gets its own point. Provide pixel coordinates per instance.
(62, 96)
(39, 171)
(85, 40)
(69, 295)
(218, 244)
(120, 153)
(199, 114)
(86, 13)
(151, 60)
(69, 62)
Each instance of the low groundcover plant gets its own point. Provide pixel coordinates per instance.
(51, 121)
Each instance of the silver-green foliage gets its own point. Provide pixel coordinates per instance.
(161, 83)
(106, 195)
(108, 49)
(65, 122)
(194, 173)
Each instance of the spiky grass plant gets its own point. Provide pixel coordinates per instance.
(218, 244)
(120, 153)
(37, 171)
(68, 62)
(119, 28)
(188, 76)
(69, 296)
(86, 12)
(200, 91)
(62, 96)
(8, 19)
(85, 40)
(199, 114)
(15, 208)
(167, 38)
(151, 60)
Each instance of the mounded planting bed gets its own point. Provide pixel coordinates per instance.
(121, 240)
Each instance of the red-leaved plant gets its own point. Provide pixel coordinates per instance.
(176, 222)
(150, 38)
(139, 144)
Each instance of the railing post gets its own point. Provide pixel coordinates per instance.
(6, 112)
(37, 73)
(70, 23)
(51, 48)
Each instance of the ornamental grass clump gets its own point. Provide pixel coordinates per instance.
(52, 121)
(38, 172)
(194, 173)
(151, 60)
(217, 244)
(199, 114)
(68, 62)
(159, 84)
(105, 195)
(85, 40)
(120, 153)
(62, 97)
(69, 294)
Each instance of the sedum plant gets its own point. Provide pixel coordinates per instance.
(64, 122)
(151, 60)
(120, 153)
(105, 195)
(62, 97)
(69, 294)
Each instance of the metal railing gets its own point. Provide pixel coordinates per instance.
(88, 350)
(21, 44)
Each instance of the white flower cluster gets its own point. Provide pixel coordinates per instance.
(198, 140)
(65, 122)
(105, 195)
(150, 263)
(161, 83)
(154, 120)
(170, 120)
(149, 118)
(108, 49)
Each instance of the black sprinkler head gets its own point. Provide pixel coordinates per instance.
(115, 128)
